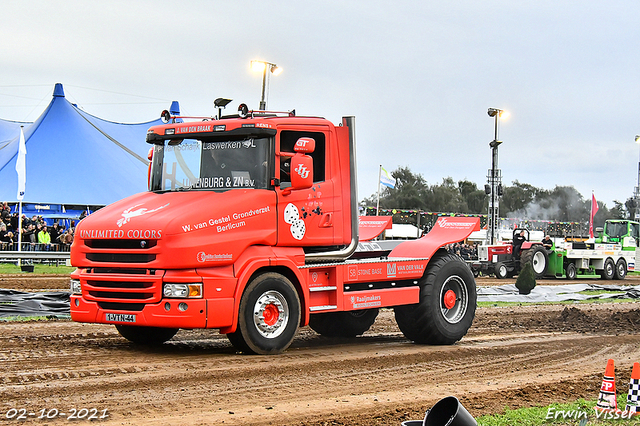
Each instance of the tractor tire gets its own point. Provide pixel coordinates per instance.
(343, 324)
(447, 303)
(539, 259)
(500, 270)
(269, 315)
(621, 269)
(570, 271)
(609, 270)
(149, 336)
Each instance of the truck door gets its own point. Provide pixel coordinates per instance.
(305, 216)
(635, 232)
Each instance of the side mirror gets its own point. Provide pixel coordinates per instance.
(305, 145)
(301, 171)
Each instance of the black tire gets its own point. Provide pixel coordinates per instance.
(538, 256)
(621, 269)
(269, 315)
(500, 270)
(609, 270)
(146, 335)
(570, 271)
(238, 342)
(343, 324)
(447, 304)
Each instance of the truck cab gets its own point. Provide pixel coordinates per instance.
(623, 232)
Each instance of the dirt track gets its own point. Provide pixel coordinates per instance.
(511, 357)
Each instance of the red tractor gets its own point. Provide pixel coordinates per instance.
(506, 260)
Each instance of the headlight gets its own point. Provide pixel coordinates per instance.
(183, 291)
(76, 288)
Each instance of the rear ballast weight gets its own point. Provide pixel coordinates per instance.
(250, 227)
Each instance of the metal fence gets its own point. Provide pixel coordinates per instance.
(35, 252)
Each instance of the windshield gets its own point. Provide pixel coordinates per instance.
(210, 164)
(616, 229)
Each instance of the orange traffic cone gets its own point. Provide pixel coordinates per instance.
(634, 390)
(607, 397)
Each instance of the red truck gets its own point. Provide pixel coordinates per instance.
(250, 226)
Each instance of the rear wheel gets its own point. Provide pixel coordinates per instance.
(447, 304)
(570, 271)
(609, 270)
(501, 271)
(268, 317)
(343, 324)
(539, 259)
(146, 335)
(621, 269)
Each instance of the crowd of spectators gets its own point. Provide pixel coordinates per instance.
(36, 235)
(466, 251)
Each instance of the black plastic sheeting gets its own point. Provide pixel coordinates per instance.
(15, 303)
(556, 293)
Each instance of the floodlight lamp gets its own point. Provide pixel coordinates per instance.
(276, 70)
(258, 66)
(637, 138)
(492, 112)
(504, 114)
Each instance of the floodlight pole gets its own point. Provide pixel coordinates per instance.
(264, 66)
(494, 179)
(263, 104)
(636, 192)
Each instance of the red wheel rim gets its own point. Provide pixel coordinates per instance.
(270, 314)
(449, 299)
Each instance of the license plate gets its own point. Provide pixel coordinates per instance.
(120, 317)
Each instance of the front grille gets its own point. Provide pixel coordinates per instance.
(122, 286)
(121, 244)
(110, 306)
(117, 295)
(122, 271)
(118, 284)
(121, 257)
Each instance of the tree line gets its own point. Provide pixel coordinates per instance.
(518, 200)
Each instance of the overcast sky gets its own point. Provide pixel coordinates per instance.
(418, 76)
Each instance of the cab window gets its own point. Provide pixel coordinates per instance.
(288, 140)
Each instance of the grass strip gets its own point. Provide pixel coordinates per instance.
(35, 318)
(39, 268)
(580, 412)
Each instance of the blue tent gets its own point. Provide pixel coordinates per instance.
(10, 130)
(74, 158)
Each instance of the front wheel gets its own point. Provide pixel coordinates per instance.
(447, 304)
(343, 324)
(501, 271)
(609, 270)
(146, 335)
(269, 315)
(570, 271)
(621, 269)
(539, 259)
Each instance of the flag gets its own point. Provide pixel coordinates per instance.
(386, 179)
(594, 209)
(21, 165)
